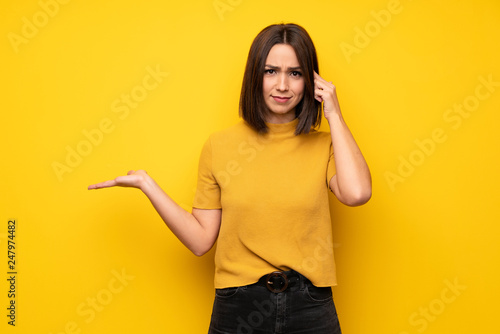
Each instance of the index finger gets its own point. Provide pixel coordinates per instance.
(105, 184)
(320, 78)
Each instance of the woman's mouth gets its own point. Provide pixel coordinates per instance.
(281, 99)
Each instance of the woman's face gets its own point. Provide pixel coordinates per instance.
(283, 86)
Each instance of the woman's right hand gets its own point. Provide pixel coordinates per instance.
(134, 179)
(197, 230)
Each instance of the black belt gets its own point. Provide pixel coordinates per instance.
(279, 281)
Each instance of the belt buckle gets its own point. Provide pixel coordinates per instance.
(283, 282)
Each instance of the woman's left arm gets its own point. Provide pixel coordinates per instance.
(352, 183)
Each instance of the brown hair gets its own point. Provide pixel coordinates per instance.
(252, 104)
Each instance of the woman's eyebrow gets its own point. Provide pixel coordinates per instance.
(295, 68)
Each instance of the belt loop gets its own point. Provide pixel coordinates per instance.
(302, 280)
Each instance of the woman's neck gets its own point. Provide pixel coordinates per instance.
(280, 118)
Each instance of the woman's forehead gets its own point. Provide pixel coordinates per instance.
(282, 55)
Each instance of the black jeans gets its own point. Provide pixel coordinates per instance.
(301, 308)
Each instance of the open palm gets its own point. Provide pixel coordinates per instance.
(133, 179)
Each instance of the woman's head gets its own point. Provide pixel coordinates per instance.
(274, 87)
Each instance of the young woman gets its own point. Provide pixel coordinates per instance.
(263, 194)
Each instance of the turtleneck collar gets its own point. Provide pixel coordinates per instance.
(283, 128)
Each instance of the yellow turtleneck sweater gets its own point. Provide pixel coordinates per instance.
(273, 192)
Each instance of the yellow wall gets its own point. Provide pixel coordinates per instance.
(419, 85)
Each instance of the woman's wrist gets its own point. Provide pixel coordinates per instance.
(147, 184)
(334, 118)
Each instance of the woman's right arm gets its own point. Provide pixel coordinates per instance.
(197, 230)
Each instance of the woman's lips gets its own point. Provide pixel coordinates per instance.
(281, 99)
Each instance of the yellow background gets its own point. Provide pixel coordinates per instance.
(436, 226)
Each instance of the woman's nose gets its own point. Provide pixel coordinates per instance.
(282, 84)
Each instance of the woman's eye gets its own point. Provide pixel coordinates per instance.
(296, 74)
(269, 71)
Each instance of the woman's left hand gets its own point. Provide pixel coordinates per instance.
(325, 91)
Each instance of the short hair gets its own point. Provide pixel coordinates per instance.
(252, 104)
